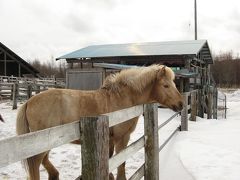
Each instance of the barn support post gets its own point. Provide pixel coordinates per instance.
(19, 70)
(151, 142)
(94, 132)
(184, 113)
(15, 95)
(5, 64)
(193, 106)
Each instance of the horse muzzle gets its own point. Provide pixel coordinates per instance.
(177, 107)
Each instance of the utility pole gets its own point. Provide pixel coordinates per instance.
(195, 18)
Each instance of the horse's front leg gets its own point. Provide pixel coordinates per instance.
(120, 145)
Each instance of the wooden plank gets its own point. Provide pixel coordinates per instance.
(138, 174)
(168, 120)
(151, 143)
(21, 147)
(121, 157)
(123, 115)
(6, 84)
(15, 95)
(95, 147)
(215, 102)
(193, 106)
(210, 102)
(169, 138)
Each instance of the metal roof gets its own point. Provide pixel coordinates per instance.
(142, 49)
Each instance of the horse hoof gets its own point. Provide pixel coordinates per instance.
(121, 178)
(111, 177)
(53, 178)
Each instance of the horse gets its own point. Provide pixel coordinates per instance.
(130, 87)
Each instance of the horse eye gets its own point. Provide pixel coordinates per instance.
(166, 86)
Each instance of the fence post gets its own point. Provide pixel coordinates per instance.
(215, 102)
(95, 147)
(225, 106)
(210, 103)
(15, 95)
(29, 91)
(193, 106)
(38, 89)
(151, 143)
(184, 113)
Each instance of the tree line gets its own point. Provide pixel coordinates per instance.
(226, 70)
(50, 68)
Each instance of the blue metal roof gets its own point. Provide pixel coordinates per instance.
(140, 49)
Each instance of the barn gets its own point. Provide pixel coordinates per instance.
(13, 65)
(186, 56)
(191, 61)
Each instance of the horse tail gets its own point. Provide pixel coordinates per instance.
(22, 127)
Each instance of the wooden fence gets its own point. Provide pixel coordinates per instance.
(23, 88)
(96, 164)
(222, 105)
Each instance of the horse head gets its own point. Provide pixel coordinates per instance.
(165, 91)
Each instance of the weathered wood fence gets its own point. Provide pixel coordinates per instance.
(16, 88)
(222, 105)
(96, 164)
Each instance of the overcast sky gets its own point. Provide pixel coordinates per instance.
(45, 28)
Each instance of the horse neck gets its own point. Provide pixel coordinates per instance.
(127, 97)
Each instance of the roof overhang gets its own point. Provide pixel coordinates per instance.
(195, 48)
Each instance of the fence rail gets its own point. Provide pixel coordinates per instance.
(15, 88)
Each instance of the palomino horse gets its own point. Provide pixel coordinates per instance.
(125, 89)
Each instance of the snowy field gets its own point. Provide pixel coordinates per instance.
(210, 150)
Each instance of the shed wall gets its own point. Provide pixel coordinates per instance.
(84, 79)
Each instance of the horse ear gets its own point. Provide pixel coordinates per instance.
(161, 72)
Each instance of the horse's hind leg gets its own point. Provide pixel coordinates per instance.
(120, 145)
(53, 173)
(32, 165)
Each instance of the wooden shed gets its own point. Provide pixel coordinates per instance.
(190, 60)
(194, 56)
(13, 65)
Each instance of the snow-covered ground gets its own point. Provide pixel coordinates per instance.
(210, 150)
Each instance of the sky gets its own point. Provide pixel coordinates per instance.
(46, 29)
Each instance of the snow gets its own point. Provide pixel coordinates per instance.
(210, 150)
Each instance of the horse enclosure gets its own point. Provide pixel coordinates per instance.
(15, 88)
(96, 164)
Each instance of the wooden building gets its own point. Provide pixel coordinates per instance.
(190, 60)
(13, 65)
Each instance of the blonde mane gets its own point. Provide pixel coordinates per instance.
(135, 78)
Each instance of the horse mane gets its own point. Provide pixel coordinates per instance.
(136, 78)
